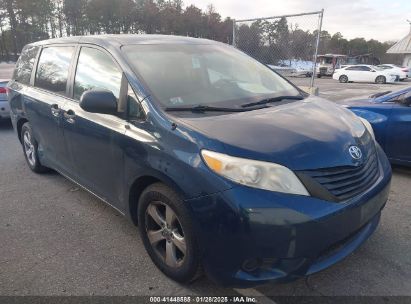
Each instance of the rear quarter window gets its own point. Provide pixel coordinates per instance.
(24, 66)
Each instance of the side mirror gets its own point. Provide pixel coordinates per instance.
(406, 101)
(99, 101)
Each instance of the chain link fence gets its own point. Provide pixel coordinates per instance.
(287, 44)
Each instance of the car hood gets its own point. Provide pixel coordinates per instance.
(301, 135)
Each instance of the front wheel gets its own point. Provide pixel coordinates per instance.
(381, 79)
(343, 79)
(30, 149)
(167, 232)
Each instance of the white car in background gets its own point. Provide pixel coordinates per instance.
(365, 73)
(396, 69)
(283, 69)
(293, 68)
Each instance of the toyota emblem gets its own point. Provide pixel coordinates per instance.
(355, 152)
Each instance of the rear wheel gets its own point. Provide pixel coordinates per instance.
(166, 228)
(343, 79)
(381, 79)
(30, 148)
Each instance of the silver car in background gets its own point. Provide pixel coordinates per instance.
(4, 104)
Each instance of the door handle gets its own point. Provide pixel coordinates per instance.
(69, 115)
(55, 110)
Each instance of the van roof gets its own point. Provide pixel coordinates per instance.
(126, 39)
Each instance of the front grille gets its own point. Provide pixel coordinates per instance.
(323, 70)
(346, 182)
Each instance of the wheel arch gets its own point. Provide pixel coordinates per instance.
(141, 183)
(378, 76)
(343, 75)
(19, 126)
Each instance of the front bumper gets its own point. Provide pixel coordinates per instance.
(286, 236)
(4, 109)
(392, 79)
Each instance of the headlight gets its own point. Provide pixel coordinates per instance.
(253, 173)
(368, 126)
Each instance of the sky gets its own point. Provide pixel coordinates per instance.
(383, 20)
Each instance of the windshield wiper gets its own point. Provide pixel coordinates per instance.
(203, 108)
(273, 99)
(380, 94)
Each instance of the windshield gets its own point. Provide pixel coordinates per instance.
(189, 75)
(325, 60)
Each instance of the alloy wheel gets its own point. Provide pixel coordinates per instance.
(29, 148)
(380, 79)
(165, 234)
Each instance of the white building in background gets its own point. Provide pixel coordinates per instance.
(403, 47)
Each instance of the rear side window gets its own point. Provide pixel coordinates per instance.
(53, 68)
(95, 69)
(24, 65)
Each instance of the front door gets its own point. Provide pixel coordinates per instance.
(94, 139)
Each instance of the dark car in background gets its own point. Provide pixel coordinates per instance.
(389, 113)
(224, 164)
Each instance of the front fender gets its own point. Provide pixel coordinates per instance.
(378, 120)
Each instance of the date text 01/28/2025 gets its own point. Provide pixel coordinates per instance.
(203, 299)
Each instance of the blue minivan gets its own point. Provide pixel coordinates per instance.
(226, 167)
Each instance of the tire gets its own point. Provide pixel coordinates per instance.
(172, 245)
(30, 149)
(343, 79)
(380, 79)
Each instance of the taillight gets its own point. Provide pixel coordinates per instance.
(3, 90)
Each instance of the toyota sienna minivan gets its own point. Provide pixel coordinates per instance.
(226, 167)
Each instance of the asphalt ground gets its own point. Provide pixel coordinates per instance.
(6, 70)
(57, 239)
(333, 90)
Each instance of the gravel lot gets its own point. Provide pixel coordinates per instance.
(57, 239)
